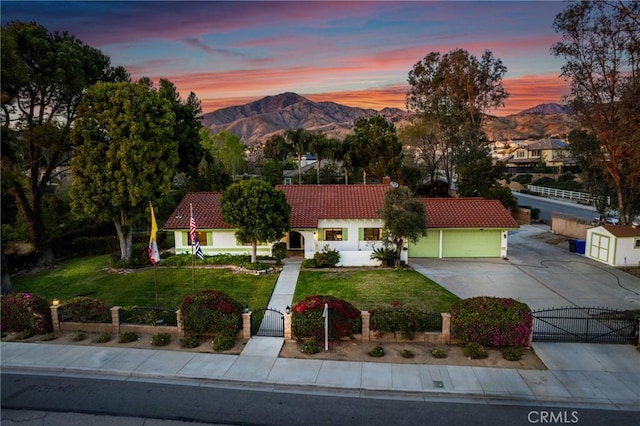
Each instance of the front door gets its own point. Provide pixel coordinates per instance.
(296, 240)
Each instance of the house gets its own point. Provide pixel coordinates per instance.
(546, 152)
(615, 245)
(345, 217)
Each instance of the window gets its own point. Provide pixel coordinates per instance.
(520, 154)
(333, 234)
(202, 238)
(637, 243)
(536, 153)
(372, 234)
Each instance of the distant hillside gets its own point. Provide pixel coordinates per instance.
(256, 121)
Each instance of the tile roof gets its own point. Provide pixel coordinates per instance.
(206, 210)
(467, 213)
(310, 203)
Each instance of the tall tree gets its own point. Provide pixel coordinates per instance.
(277, 148)
(258, 211)
(375, 147)
(422, 138)
(228, 148)
(601, 46)
(455, 91)
(299, 139)
(321, 146)
(126, 155)
(44, 76)
(404, 218)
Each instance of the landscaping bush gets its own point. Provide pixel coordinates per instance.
(85, 309)
(25, 312)
(223, 342)
(219, 259)
(309, 263)
(492, 321)
(523, 179)
(377, 352)
(327, 258)
(307, 320)
(438, 353)
(279, 251)
(404, 319)
(190, 342)
(128, 337)
(310, 346)
(386, 255)
(161, 339)
(514, 353)
(474, 350)
(406, 353)
(211, 312)
(104, 338)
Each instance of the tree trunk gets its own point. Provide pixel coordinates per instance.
(6, 277)
(125, 237)
(35, 225)
(398, 253)
(254, 252)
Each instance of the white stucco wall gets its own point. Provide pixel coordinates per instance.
(353, 250)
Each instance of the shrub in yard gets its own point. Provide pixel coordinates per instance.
(104, 338)
(79, 337)
(190, 342)
(161, 339)
(309, 263)
(438, 353)
(85, 309)
(386, 255)
(211, 312)
(474, 350)
(25, 312)
(279, 251)
(327, 258)
(307, 320)
(310, 346)
(404, 319)
(377, 352)
(406, 353)
(223, 342)
(514, 353)
(492, 321)
(128, 337)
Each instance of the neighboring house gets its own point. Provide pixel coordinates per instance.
(615, 245)
(345, 217)
(546, 152)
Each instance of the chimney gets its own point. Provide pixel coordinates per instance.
(386, 180)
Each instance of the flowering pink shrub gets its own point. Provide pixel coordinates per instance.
(211, 312)
(492, 321)
(25, 312)
(307, 320)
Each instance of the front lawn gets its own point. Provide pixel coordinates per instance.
(87, 276)
(367, 289)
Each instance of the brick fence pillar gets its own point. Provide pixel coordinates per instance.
(179, 323)
(366, 321)
(246, 325)
(446, 328)
(288, 335)
(55, 317)
(115, 319)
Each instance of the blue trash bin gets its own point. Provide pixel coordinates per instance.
(580, 246)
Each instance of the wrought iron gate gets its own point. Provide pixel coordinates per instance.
(267, 322)
(589, 325)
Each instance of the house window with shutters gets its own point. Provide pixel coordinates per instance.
(333, 234)
(372, 234)
(203, 238)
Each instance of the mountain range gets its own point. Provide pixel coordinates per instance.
(257, 121)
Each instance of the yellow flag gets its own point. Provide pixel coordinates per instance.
(154, 254)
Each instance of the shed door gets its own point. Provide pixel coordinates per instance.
(471, 243)
(599, 248)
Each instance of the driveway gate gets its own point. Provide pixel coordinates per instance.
(267, 322)
(588, 325)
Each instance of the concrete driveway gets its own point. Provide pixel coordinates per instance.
(539, 273)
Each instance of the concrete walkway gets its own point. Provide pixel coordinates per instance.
(281, 297)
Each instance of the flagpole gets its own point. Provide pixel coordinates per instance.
(193, 268)
(155, 278)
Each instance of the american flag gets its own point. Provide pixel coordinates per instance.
(193, 236)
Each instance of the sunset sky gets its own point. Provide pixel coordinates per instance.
(354, 53)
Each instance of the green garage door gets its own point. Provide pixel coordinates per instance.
(428, 246)
(476, 243)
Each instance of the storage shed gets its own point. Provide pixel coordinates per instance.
(615, 245)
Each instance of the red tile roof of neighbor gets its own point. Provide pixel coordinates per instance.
(310, 203)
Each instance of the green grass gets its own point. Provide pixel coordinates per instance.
(87, 276)
(370, 288)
